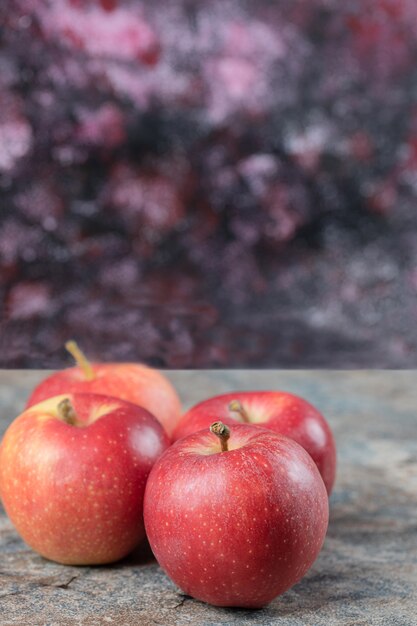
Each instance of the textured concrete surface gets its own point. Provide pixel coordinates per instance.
(366, 574)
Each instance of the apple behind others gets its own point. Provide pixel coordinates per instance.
(235, 516)
(133, 382)
(280, 411)
(73, 471)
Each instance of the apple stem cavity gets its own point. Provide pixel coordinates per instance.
(80, 359)
(66, 412)
(236, 407)
(222, 432)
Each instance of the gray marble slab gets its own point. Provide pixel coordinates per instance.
(366, 574)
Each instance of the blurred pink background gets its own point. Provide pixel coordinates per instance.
(209, 184)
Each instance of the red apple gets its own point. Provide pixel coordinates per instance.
(280, 411)
(73, 471)
(235, 523)
(133, 382)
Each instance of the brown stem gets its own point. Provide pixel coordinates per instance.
(236, 407)
(66, 412)
(222, 432)
(80, 359)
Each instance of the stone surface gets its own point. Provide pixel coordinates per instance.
(366, 574)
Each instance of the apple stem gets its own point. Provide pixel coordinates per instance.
(222, 432)
(80, 359)
(236, 407)
(67, 412)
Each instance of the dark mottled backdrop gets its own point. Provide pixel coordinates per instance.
(213, 183)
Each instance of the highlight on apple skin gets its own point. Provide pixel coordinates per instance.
(133, 382)
(235, 522)
(73, 471)
(280, 411)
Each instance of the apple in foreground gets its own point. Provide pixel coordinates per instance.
(133, 382)
(73, 471)
(235, 516)
(280, 411)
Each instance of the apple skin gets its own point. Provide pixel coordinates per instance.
(133, 382)
(282, 412)
(75, 493)
(235, 528)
